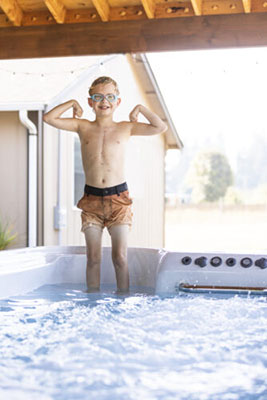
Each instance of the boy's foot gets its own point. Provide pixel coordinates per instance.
(122, 291)
(92, 290)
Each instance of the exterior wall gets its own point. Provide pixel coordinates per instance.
(144, 170)
(146, 180)
(13, 176)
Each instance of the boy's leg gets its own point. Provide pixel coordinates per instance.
(119, 241)
(93, 237)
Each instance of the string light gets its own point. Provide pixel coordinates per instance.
(102, 68)
(45, 74)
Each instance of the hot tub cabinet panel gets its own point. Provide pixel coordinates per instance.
(211, 270)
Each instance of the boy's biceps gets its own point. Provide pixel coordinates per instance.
(67, 124)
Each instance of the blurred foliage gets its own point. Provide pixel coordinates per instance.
(209, 176)
(248, 159)
(250, 163)
(233, 196)
(6, 237)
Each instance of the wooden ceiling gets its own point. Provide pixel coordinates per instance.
(22, 13)
(51, 28)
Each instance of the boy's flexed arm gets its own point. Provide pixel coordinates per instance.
(155, 126)
(53, 117)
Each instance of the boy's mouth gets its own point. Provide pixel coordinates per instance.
(104, 107)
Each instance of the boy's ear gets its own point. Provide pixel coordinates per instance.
(118, 101)
(90, 102)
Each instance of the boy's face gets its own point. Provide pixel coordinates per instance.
(104, 107)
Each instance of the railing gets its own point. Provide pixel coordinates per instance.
(183, 287)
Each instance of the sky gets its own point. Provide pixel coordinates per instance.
(214, 92)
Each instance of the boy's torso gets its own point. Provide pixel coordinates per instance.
(103, 152)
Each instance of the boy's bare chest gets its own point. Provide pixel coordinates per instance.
(103, 139)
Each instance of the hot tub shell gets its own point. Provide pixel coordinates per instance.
(24, 270)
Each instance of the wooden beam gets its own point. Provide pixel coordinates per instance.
(103, 9)
(173, 9)
(77, 16)
(127, 13)
(57, 9)
(247, 5)
(12, 11)
(197, 6)
(222, 7)
(203, 32)
(149, 7)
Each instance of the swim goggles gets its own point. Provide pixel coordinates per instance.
(110, 97)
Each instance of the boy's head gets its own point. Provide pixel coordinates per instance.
(103, 80)
(104, 94)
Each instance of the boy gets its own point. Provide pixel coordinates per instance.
(106, 201)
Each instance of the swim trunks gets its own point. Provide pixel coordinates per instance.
(105, 207)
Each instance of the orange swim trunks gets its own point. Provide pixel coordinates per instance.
(105, 207)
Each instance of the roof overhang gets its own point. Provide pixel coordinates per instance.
(132, 36)
(144, 74)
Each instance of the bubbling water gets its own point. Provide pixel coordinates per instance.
(61, 343)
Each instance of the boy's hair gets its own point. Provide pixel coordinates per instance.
(103, 80)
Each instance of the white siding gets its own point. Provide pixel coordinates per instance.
(146, 182)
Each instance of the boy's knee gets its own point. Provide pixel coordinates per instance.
(93, 258)
(119, 258)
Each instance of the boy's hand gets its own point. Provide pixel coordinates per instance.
(77, 110)
(134, 113)
(155, 125)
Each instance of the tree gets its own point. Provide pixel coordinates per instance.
(209, 176)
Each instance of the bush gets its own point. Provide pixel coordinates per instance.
(5, 236)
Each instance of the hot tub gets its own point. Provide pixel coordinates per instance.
(171, 337)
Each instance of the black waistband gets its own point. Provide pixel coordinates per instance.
(106, 191)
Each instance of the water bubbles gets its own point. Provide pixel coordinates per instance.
(104, 346)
